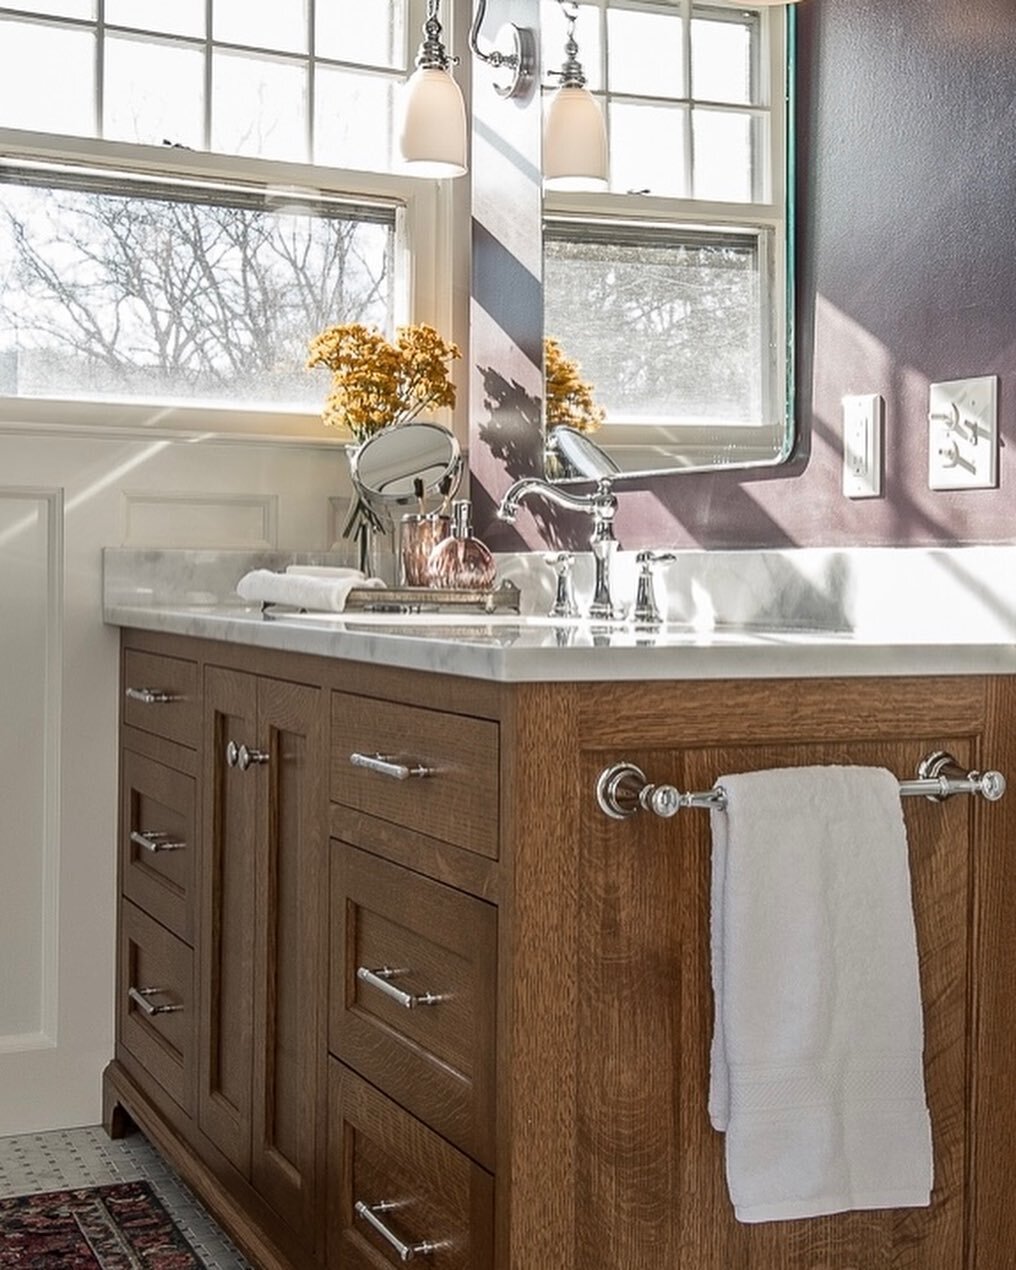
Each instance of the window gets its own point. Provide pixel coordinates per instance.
(669, 287)
(210, 187)
(118, 288)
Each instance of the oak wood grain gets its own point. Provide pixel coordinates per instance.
(177, 719)
(163, 1044)
(290, 984)
(378, 1153)
(435, 1060)
(225, 945)
(716, 712)
(458, 802)
(603, 1155)
(162, 801)
(440, 860)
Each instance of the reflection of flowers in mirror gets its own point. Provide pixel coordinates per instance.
(569, 399)
(377, 383)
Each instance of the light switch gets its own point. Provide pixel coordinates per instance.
(963, 434)
(862, 446)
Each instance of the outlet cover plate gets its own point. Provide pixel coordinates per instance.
(863, 426)
(963, 434)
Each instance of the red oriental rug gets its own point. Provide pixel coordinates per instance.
(119, 1227)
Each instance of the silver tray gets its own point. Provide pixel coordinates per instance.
(422, 599)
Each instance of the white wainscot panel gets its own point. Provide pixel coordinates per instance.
(199, 520)
(30, 569)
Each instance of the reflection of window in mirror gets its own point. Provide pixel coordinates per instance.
(670, 286)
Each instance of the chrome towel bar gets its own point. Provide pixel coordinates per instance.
(623, 789)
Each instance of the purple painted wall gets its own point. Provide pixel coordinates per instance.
(906, 272)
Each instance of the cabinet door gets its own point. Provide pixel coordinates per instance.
(226, 942)
(651, 1180)
(290, 946)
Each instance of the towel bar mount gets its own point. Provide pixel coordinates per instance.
(624, 789)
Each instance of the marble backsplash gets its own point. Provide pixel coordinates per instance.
(962, 593)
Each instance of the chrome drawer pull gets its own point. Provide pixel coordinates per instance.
(152, 696)
(155, 840)
(386, 765)
(244, 757)
(404, 1251)
(140, 998)
(381, 979)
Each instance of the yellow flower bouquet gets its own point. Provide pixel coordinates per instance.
(379, 384)
(569, 399)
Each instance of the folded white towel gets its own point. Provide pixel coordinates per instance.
(304, 591)
(323, 571)
(816, 1076)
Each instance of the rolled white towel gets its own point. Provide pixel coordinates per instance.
(325, 594)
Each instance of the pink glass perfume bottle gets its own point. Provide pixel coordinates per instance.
(462, 562)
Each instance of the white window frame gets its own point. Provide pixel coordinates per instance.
(431, 271)
(704, 445)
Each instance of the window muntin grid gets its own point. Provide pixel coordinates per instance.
(271, 53)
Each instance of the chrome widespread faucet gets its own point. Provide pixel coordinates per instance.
(602, 506)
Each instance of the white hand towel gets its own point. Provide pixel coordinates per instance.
(323, 571)
(304, 591)
(817, 1074)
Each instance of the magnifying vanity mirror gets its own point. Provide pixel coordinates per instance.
(671, 289)
(387, 466)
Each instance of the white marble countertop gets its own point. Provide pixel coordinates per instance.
(537, 649)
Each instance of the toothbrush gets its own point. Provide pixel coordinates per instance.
(445, 488)
(421, 502)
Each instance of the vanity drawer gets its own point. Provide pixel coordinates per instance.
(155, 1003)
(431, 1047)
(161, 696)
(420, 1189)
(158, 840)
(457, 801)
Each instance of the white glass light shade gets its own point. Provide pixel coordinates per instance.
(433, 136)
(574, 142)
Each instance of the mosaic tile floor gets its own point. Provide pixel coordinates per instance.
(74, 1158)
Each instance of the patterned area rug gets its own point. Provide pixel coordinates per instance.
(121, 1227)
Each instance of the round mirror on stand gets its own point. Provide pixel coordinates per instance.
(400, 466)
(579, 455)
(387, 466)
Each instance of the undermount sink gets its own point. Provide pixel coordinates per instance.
(577, 628)
(443, 617)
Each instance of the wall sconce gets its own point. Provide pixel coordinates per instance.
(514, 69)
(574, 133)
(433, 135)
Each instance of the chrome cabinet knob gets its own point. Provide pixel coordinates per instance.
(232, 754)
(245, 757)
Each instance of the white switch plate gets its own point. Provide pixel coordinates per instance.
(862, 445)
(963, 434)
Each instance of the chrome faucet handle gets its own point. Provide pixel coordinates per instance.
(564, 600)
(646, 612)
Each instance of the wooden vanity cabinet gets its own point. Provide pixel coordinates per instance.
(467, 1014)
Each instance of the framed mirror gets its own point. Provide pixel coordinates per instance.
(672, 288)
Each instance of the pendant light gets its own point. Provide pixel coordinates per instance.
(433, 134)
(574, 133)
